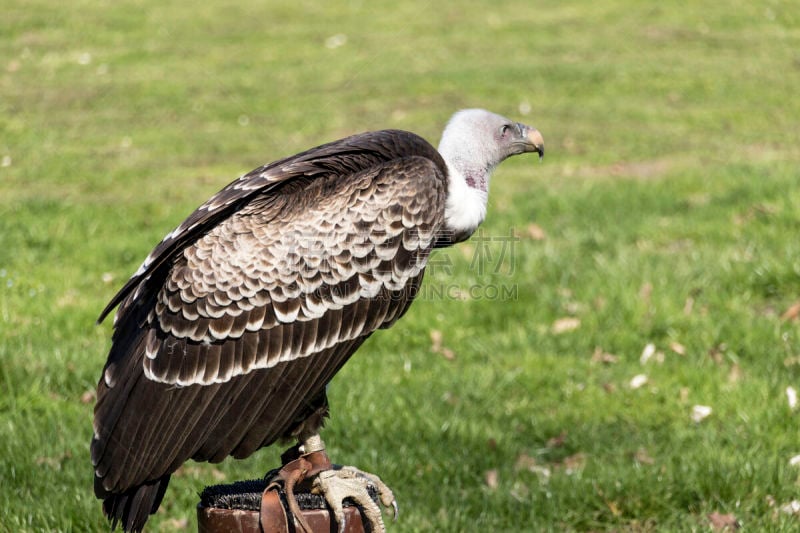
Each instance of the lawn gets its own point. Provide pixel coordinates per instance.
(553, 375)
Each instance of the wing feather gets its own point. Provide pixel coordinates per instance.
(212, 363)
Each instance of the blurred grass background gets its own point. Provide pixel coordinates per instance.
(666, 212)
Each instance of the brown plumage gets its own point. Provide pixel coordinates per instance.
(214, 339)
(225, 338)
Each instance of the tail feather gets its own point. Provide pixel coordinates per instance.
(132, 508)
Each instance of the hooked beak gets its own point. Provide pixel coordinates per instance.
(533, 140)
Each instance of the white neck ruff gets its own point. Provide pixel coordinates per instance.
(466, 207)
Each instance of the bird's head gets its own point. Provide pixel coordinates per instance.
(474, 142)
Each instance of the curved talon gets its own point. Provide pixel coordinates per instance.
(349, 482)
(384, 492)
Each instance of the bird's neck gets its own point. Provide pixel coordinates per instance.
(467, 196)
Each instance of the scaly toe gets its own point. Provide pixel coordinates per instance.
(384, 492)
(349, 482)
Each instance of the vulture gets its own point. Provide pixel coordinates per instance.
(225, 338)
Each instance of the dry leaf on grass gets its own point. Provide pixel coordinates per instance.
(436, 340)
(641, 456)
(791, 361)
(574, 462)
(491, 478)
(648, 352)
(794, 461)
(638, 381)
(677, 347)
(613, 507)
(88, 396)
(792, 507)
(683, 394)
(526, 462)
(535, 232)
(557, 441)
(563, 325)
(723, 522)
(688, 306)
(792, 312)
(791, 397)
(436, 345)
(735, 373)
(716, 352)
(700, 413)
(600, 356)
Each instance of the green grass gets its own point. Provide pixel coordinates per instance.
(669, 198)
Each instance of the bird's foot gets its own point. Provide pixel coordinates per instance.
(342, 482)
(335, 483)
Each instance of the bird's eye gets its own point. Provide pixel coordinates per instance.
(504, 129)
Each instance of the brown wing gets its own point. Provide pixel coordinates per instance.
(342, 157)
(227, 352)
